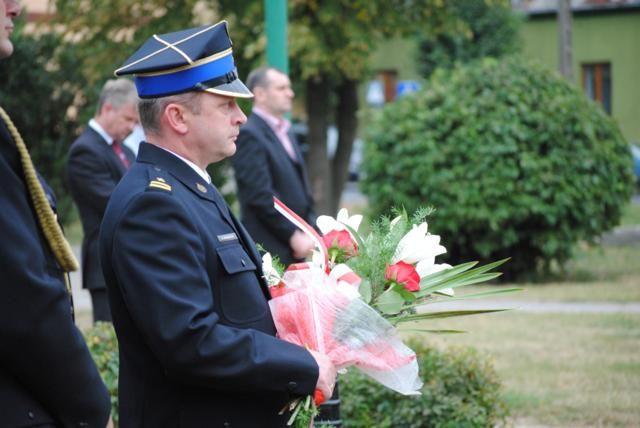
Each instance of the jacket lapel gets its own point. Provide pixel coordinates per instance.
(109, 154)
(273, 138)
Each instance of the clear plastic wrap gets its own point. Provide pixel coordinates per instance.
(315, 311)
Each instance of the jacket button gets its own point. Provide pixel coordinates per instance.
(292, 386)
(30, 414)
(227, 424)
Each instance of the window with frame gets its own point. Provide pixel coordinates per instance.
(596, 81)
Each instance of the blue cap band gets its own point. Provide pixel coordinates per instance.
(181, 81)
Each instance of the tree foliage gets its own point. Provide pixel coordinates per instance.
(104, 33)
(39, 90)
(329, 46)
(487, 28)
(516, 161)
(334, 39)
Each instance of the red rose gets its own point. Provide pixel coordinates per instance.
(341, 240)
(404, 274)
(318, 397)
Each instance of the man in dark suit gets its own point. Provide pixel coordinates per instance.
(186, 288)
(97, 161)
(47, 376)
(268, 163)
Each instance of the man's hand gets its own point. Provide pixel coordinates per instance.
(110, 422)
(327, 376)
(301, 245)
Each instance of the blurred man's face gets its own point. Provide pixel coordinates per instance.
(118, 122)
(9, 9)
(277, 96)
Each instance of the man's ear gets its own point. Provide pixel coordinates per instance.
(175, 117)
(105, 109)
(258, 94)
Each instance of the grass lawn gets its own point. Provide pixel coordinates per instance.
(566, 369)
(631, 215)
(596, 274)
(560, 369)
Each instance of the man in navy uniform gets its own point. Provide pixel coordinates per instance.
(97, 161)
(189, 304)
(47, 376)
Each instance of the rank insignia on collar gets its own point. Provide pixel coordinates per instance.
(201, 187)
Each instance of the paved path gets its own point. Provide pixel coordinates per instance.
(540, 307)
(81, 297)
(82, 301)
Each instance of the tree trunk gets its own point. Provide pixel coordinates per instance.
(347, 123)
(317, 103)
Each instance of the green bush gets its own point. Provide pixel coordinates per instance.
(103, 345)
(516, 161)
(460, 390)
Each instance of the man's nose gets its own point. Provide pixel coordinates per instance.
(239, 117)
(13, 7)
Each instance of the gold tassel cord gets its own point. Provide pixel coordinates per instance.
(50, 227)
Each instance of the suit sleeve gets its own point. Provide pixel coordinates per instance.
(89, 178)
(166, 283)
(254, 181)
(41, 346)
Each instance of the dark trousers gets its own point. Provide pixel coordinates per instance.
(100, 303)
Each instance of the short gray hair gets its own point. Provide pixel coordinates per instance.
(258, 77)
(117, 92)
(151, 109)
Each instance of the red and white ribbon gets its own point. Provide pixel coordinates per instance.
(304, 226)
(342, 272)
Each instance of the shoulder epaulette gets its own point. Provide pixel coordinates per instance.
(157, 180)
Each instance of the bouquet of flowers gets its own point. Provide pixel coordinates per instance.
(346, 302)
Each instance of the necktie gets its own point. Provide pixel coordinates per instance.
(117, 148)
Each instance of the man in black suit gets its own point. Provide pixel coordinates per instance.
(97, 161)
(47, 376)
(268, 163)
(186, 288)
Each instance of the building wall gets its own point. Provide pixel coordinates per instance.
(397, 54)
(608, 37)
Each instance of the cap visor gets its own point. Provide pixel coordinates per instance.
(234, 89)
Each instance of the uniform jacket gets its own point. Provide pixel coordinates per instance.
(93, 170)
(47, 376)
(263, 169)
(197, 345)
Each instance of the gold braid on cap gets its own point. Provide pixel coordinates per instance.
(48, 222)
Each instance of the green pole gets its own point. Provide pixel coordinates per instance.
(275, 13)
